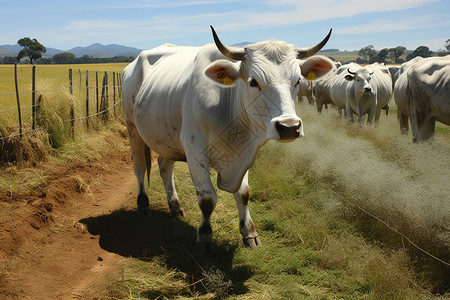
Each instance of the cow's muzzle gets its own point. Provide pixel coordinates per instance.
(367, 90)
(288, 130)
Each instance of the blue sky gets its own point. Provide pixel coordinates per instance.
(146, 24)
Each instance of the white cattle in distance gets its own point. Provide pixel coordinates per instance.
(393, 70)
(321, 88)
(361, 90)
(401, 83)
(428, 95)
(213, 107)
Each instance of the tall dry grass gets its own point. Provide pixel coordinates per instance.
(373, 169)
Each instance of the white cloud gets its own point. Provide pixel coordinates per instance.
(384, 25)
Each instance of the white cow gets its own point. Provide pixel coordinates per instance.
(321, 88)
(393, 70)
(361, 90)
(383, 77)
(304, 89)
(428, 95)
(214, 107)
(401, 83)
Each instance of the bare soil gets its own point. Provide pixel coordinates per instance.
(46, 251)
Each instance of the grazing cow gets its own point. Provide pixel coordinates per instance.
(213, 107)
(401, 83)
(428, 95)
(361, 90)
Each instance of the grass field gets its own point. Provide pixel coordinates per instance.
(306, 199)
(52, 83)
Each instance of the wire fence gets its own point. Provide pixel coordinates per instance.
(92, 95)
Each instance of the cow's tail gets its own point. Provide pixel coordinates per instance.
(148, 161)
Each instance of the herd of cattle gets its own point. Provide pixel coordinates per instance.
(420, 88)
(215, 106)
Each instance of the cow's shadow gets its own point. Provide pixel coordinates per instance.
(168, 238)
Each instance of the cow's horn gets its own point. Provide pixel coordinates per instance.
(305, 52)
(236, 54)
(352, 69)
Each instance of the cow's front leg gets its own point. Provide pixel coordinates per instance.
(246, 225)
(166, 172)
(207, 199)
(349, 112)
(371, 113)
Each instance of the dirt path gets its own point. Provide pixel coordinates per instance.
(46, 251)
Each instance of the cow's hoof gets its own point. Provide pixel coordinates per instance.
(144, 212)
(176, 211)
(207, 247)
(180, 213)
(252, 242)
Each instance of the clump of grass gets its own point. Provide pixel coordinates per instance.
(216, 282)
(54, 114)
(26, 149)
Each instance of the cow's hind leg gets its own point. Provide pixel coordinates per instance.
(246, 226)
(166, 172)
(140, 154)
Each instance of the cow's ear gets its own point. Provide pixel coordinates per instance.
(316, 66)
(223, 72)
(349, 77)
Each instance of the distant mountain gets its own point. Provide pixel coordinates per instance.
(242, 44)
(94, 50)
(99, 50)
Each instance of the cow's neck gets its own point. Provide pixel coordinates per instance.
(239, 141)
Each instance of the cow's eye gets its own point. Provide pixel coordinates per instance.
(298, 81)
(254, 83)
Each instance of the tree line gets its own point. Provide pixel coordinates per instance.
(368, 54)
(32, 51)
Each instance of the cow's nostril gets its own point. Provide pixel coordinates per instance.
(280, 127)
(288, 130)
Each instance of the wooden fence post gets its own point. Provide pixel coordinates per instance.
(87, 99)
(107, 92)
(72, 109)
(96, 88)
(114, 92)
(104, 99)
(118, 86)
(33, 99)
(18, 100)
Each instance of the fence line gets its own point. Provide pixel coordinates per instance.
(101, 108)
(402, 235)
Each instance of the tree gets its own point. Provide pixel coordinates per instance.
(367, 52)
(64, 58)
(382, 55)
(447, 45)
(397, 52)
(422, 51)
(32, 48)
